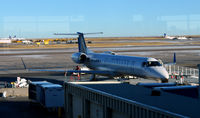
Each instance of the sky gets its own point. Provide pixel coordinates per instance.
(42, 18)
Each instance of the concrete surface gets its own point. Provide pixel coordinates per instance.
(10, 92)
(21, 107)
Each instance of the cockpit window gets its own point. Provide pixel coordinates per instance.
(151, 63)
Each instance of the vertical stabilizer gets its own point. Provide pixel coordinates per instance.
(81, 43)
(165, 35)
(81, 40)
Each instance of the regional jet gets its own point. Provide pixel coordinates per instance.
(176, 37)
(13, 38)
(112, 65)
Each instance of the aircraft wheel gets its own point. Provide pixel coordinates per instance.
(165, 81)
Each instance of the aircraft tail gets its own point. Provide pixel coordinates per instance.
(164, 35)
(81, 40)
(82, 47)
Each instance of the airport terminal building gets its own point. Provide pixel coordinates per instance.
(123, 100)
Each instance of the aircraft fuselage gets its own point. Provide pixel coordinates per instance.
(126, 65)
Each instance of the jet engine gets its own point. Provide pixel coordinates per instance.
(79, 57)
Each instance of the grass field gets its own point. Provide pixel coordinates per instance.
(89, 45)
(123, 38)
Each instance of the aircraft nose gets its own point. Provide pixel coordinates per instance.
(161, 73)
(164, 75)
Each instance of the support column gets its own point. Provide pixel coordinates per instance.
(69, 110)
(107, 112)
(86, 108)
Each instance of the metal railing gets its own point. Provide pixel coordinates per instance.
(190, 75)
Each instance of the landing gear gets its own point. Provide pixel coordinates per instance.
(93, 77)
(164, 80)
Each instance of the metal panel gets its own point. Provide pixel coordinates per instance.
(96, 111)
(117, 114)
(77, 107)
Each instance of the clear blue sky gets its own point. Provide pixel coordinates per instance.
(41, 18)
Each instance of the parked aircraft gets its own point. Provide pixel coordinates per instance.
(27, 42)
(12, 38)
(113, 65)
(176, 37)
(15, 38)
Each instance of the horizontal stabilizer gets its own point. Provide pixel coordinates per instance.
(78, 33)
(47, 70)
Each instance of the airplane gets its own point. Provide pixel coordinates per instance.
(17, 38)
(176, 37)
(7, 39)
(27, 42)
(113, 65)
(13, 38)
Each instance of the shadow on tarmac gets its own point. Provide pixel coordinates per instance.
(24, 109)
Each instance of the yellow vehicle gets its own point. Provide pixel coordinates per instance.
(46, 42)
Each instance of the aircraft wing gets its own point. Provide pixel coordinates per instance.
(47, 70)
(91, 72)
(74, 71)
(70, 71)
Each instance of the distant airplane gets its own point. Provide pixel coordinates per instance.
(27, 42)
(8, 39)
(176, 37)
(113, 65)
(15, 38)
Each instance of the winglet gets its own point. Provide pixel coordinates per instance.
(174, 61)
(174, 58)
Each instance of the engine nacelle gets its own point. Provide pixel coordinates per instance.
(79, 57)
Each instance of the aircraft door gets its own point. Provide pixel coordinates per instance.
(133, 67)
(144, 68)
